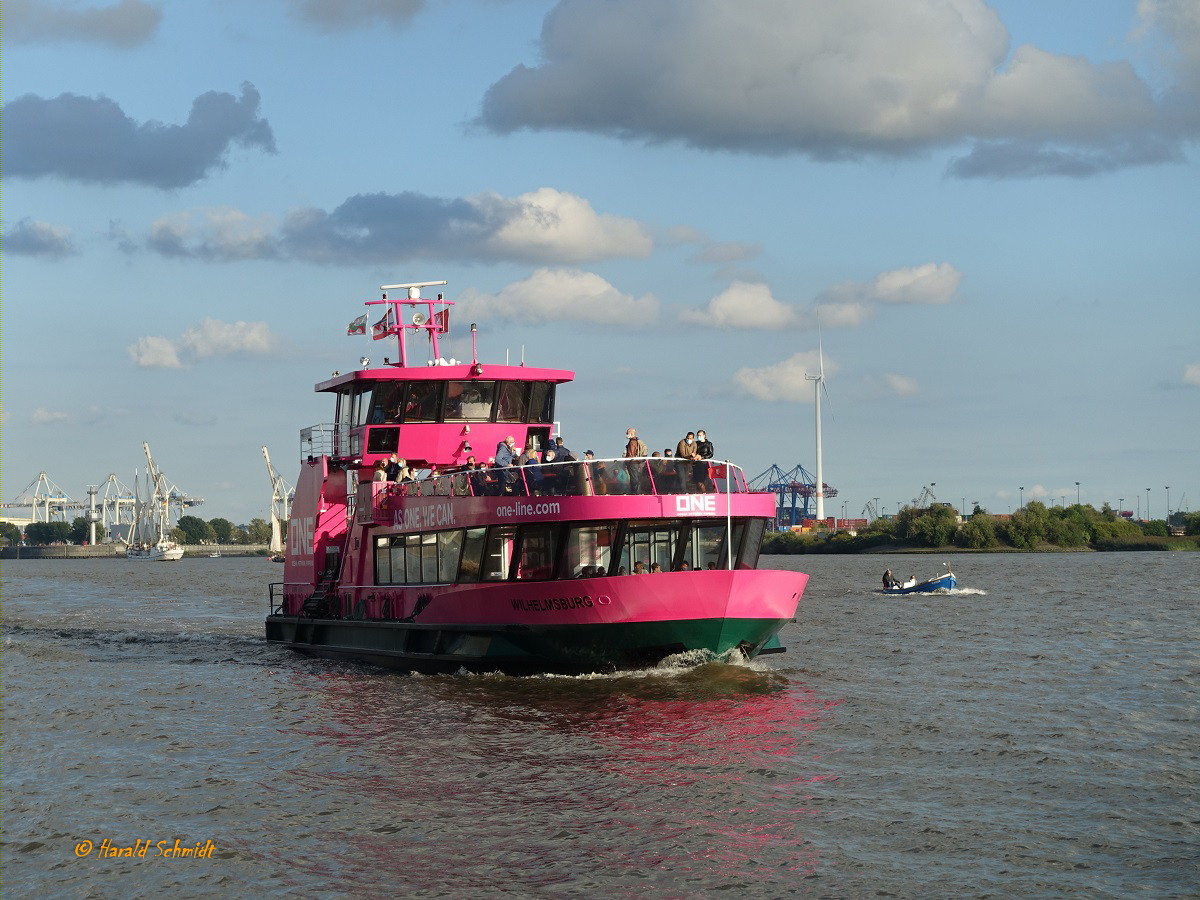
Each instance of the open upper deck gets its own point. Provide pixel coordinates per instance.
(701, 488)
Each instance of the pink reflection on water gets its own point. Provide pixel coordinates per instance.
(688, 779)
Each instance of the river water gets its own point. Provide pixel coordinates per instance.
(1033, 733)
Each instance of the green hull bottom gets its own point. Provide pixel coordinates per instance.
(523, 650)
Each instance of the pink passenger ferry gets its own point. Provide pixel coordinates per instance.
(532, 568)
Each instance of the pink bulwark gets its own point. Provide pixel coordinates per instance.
(553, 566)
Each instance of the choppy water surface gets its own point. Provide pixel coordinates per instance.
(1033, 733)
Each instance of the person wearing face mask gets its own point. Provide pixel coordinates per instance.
(704, 452)
(686, 450)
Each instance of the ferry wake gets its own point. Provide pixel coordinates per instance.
(404, 551)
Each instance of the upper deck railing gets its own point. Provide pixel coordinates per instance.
(644, 476)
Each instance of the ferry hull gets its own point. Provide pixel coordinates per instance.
(631, 624)
(521, 650)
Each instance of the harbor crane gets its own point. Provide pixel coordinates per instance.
(794, 493)
(282, 495)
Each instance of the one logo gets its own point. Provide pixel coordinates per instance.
(300, 536)
(698, 503)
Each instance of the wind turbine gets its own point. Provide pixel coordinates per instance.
(818, 386)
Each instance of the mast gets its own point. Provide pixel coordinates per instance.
(432, 321)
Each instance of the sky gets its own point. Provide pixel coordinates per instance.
(984, 217)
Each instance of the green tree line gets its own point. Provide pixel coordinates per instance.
(190, 530)
(1032, 527)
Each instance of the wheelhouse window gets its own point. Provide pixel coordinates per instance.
(512, 405)
(422, 401)
(469, 401)
(352, 404)
(541, 402)
(385, 403)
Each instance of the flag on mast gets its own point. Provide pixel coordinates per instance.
(358, 326)
(442, 320)
(383, 327)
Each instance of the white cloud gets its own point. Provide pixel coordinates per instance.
(901, 385)
(923, 284)
(43, 416)
(545, 226)
(1191, 374)
(847, 305)
(561, 295)
(154, 353)
(212, 337)
(744, 305)
(207, 339)
(218, 233)
(929, 283)
(35, 238)
(554, 226)
(838, 80)
(785, 381)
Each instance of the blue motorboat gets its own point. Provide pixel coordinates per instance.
(944, 582)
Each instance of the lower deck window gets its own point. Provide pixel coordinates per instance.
(544, 551)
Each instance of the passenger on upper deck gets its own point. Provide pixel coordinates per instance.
(506, 460)
(635, 448)
(380, 473)
(551, 474)
(393, 468)
(686, 450)
(561, 453)
(704, 452)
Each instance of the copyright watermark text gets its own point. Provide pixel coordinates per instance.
(142, 849)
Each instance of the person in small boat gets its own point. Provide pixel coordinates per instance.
(912, 582)
(888, 580)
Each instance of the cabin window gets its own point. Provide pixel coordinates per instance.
(353, 403)
(497, 556)
(385, 403)
(449, 546)
(539, 546)
(512, 405)
(469, 401)
(383, 440)
(473, 544)
(752, 544)
(422, 401)
(429, 558)
(650, 543)
(383, 560)
(541, 402)
(412, 558)
(588, 549)
(707, 548)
